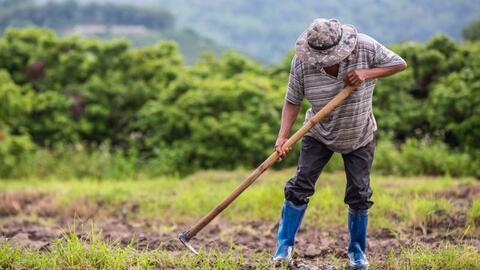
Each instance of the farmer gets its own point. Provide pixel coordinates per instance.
(329, 56)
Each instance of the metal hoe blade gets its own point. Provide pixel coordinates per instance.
(183, 237)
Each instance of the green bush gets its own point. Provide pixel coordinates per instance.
(15, 152)
(102, 107)
(14, 103)
(49, 121)
(78, 161)
(215, 124)
(421, 157)
(397, 111)
(454, 109)
(387, 158)
(472, 32)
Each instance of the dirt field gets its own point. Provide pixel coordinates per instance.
(31, 220)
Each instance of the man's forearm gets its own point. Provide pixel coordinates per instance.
(358, 76)
(379, 72)
(289, 115)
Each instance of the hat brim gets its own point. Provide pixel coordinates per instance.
(328, 57)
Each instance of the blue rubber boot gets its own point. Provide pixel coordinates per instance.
(357, 226)
(291, 218)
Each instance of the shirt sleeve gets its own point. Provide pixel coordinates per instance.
(295, 91)
(384, 57)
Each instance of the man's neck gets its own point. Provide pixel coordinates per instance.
(332, 70)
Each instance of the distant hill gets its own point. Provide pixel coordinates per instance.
(266, 29)
(144, 26)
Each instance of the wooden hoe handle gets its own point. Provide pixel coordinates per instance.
(331, 105)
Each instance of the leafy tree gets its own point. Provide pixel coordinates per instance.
(210, 124)
(49, 121)
(398, 113)
(472, 32)
(14, 106)
(147, 105)
(14, 103)
(455, 107)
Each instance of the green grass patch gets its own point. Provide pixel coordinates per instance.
(398, 201)
(474, 213)
(73, 253)
(445, 257)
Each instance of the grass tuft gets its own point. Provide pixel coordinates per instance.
(445, 257)
(474, 213)
(71, 252)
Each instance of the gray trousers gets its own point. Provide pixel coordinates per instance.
(314, 155)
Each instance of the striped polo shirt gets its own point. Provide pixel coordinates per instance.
(351, 125)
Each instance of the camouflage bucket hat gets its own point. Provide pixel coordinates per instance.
(326, 42)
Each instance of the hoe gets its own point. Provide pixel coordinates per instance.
(186, 236)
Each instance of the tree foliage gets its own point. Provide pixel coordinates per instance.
(472, 32)
(220, 113)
